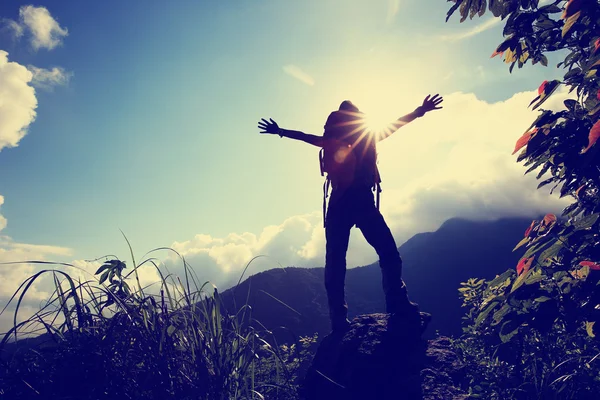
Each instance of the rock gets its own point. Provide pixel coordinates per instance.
(443, 372)
(383, 358)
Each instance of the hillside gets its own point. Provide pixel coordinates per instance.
(434, 265)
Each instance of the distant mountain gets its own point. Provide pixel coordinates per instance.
(435, 263)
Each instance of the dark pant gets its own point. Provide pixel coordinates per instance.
(357, 207)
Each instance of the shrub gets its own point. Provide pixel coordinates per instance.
(111, 338)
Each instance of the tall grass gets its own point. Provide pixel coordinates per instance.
(111, 338)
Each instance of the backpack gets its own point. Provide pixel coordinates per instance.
(348, 149)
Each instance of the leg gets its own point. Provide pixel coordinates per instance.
(378, 234)
(337, 235)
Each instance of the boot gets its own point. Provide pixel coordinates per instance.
(397, 302)
(404, 314)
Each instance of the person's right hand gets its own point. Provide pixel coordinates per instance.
(268, 127)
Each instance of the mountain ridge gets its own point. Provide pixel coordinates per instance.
(434, 265)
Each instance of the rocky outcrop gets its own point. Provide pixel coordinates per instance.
(442, 371)
(383, 358)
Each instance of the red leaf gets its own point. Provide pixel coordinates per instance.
(528, 231)
(524, 265)
(496, 53)
(593, 266)
(579, 190)
(596, 45)
(598, 94)
(542, 87)
(549, 219)
(593, 137)
(523, 140)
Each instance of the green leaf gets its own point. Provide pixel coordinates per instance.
(589, 328)
(552, 251)
(550, 9)
(545, 182)
(586, 222)
(102, 268)
(464, 10)
(104, 276)
(569, 23)
(536, 247)
(509, 329)
(572, 73)
(570, 104)
(453, 8)
(594, 110)
(501, 278)
(520, 280)
(170, 330)
(542, 299)
(501, 313)
(535, 277)
(484, 314)
(523, 242)
(544, 170)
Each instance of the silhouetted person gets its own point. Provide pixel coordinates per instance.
(350, 159)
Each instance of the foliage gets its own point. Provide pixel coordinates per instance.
(507, 358)
(541, 320)
(277, 371)
(111, 339)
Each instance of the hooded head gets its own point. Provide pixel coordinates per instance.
(343, 122)
(347, 105)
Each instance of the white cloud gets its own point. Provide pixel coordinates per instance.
(44, 32)
(452, 163)
(2, 219)
(221, 260)
(482, 27)
(17, 101)
(13, 27)
(48, 78)
(12, 275)
(297, 73)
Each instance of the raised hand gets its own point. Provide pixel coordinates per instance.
(268, 127)
(430, 104)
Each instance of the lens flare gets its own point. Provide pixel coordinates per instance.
(377, 122)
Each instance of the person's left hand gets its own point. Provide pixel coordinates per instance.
(268, 127)
(430, 104)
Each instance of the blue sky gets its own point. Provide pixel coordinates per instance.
(152, 128)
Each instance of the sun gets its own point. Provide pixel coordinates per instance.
(380, 109)
(377, 122)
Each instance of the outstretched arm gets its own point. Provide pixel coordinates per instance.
(429, 104)
(271, 127)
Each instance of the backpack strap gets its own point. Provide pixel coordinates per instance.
(377, 190)
(326, 185)
(321, 161)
